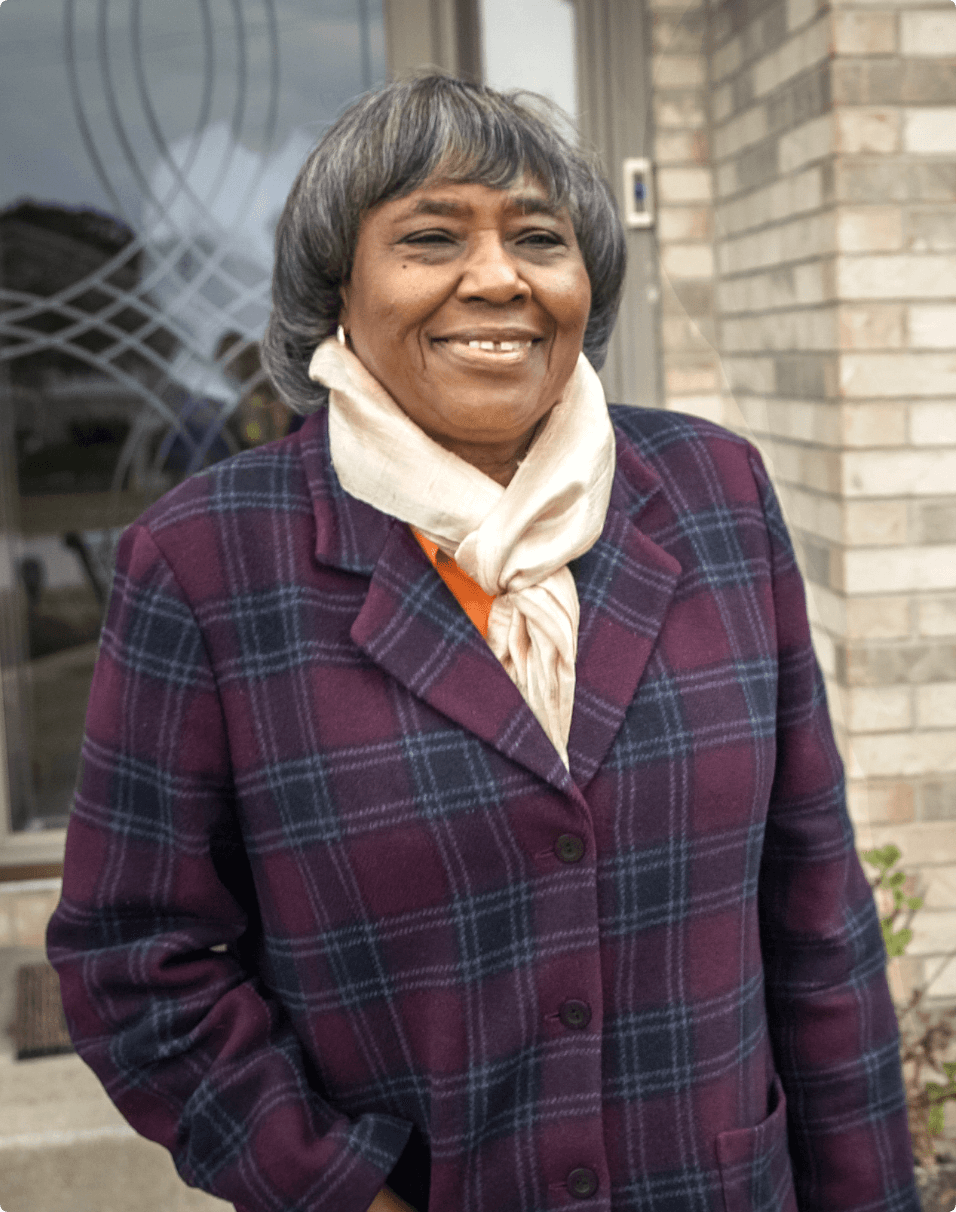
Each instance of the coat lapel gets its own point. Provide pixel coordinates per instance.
(411, 626)
(625, 585)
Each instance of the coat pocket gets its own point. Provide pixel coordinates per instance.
(755, 1163)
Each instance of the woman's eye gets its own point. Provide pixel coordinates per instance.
(430, 237)
(542, 239)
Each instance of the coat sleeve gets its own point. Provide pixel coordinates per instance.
(832, 1023)
(189, 1045)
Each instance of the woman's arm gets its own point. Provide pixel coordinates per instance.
(193, 1049)
(832, 1023)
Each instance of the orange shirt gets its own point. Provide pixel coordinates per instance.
(470, 595)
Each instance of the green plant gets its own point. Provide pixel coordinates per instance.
(925, 1035)
(897, 939)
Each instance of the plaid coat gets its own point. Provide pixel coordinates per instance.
(334, 912)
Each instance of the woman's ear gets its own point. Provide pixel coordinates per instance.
(344, 294)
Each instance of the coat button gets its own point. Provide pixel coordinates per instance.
(569, 848)
(575, 1015)
(582, 1182)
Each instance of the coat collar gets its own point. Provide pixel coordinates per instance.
(412, 627)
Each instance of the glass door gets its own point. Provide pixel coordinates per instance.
(146, 150)
(532, 44)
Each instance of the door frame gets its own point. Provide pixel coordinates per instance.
(422, 34)
(614, 98)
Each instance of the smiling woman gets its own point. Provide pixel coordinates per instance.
(469, 305)
(409, 139)
(461, 826)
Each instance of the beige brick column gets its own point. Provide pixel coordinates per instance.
(692, 378)
(833, 140)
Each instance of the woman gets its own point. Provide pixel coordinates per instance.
(461, 825)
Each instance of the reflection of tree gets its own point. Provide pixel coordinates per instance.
(56, 621)
(261, 415)
(95, 363)
(46, 249)
(100, 424)
(80, 344)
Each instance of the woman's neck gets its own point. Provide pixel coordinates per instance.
(499, 460)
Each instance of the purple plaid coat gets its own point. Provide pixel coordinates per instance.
(335, 914)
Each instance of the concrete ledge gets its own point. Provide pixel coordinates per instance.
(101, 1170)
(63, 1145)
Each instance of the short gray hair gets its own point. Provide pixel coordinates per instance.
(389, 143)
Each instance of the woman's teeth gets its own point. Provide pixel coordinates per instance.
(497, 346)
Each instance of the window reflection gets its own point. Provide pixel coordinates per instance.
(146, 151)
(531, 44)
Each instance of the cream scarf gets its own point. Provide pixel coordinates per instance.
(516, 541)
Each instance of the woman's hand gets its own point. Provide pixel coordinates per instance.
(388, 1201)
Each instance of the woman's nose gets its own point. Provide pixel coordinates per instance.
(491, 274)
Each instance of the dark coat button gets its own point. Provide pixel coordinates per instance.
(569, 848)
(582, 1182)
(575, 1015)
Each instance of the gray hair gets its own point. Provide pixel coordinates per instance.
(389, 143)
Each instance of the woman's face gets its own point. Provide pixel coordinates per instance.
(469, 305)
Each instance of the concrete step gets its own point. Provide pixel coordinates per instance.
(63, 1145)
(95, 1170)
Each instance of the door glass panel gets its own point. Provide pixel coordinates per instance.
(531, 44)
(146, 150)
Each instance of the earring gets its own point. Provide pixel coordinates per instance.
(340, 335)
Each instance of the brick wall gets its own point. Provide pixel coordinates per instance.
(824, 275)
(685, 213)
(894, 188)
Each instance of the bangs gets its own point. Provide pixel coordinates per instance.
(451, 136)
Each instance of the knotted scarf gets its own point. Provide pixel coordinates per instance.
(516, 542)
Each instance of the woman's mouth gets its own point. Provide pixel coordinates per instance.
(479, 350)
(496, 346)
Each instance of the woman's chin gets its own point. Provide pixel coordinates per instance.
(484, 416)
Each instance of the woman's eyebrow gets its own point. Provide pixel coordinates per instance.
(435, 206)
(527, 204)
(531, 204)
